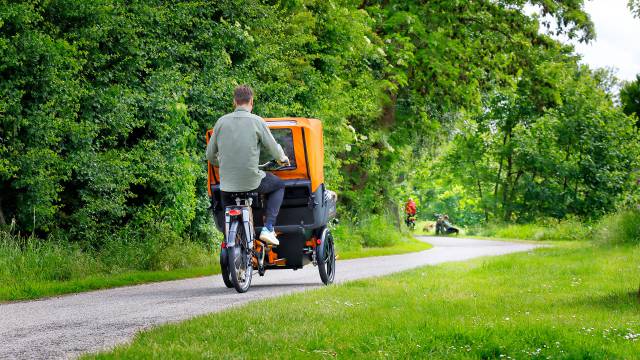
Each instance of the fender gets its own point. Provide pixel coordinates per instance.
(323, 237)
(231, 235)
(248, 228)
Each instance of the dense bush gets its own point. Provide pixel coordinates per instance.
(550, 229)
(26, 262)
(376, 231)
(30, 259)
(620, 228)
(105, 103)
(373, 231)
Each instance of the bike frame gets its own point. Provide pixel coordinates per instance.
(238, 215)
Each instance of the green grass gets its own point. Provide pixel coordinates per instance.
(579, 302)
(620, 228)
(37, 289)
(34, 268)
(566, 230)
(407, 245)
(374, 236)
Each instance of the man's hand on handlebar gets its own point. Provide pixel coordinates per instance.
(275, 165)
(284, 161)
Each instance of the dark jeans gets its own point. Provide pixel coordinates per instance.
(273, 187)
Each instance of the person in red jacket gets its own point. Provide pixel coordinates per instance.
(410, 210)
(410, 207)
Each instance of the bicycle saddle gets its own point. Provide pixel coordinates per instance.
(242, 195)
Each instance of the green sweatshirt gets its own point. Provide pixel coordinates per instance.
(235, 147)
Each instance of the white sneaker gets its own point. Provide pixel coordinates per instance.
(269, 237)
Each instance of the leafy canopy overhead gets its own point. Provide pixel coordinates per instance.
(104, 105)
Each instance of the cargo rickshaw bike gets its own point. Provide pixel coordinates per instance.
(303, 222)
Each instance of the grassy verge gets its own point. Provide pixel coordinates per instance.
(38, 289)
(622, 227)
(552, 303)
(33, 268)
(374, 236)
(567, 230)
(407, 245)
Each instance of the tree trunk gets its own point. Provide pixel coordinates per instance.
(512, 194)
(389, 111)
(565, 182)
(506, 189)
(484, 208)
(393, 207)
(2, 219)
(495, 189)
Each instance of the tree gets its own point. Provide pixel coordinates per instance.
(630, 98)
(634, 5)
(574, 155)
(103, 104)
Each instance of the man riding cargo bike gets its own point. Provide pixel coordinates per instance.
(235, 148)
(285, 195)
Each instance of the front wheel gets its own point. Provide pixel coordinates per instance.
(326, 258)
(239, 255)
(224, 268)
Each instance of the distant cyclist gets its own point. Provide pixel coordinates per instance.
(235, 148)
(410, 210)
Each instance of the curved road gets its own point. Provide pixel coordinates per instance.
(67, 326)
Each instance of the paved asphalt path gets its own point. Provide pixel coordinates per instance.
(67, 326)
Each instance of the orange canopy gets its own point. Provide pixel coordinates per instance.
(307, 152)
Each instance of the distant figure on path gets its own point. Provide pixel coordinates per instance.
(410, 210)
(410, 207)
(449, 229)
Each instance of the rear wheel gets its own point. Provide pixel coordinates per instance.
(224, 268)
(239, 255)
(326, 258)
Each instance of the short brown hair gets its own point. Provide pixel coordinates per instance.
(242, 94)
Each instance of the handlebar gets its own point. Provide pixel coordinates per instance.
(272, 165)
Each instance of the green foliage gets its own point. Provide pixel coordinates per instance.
(105, 103)
(630, 98)
(31, 267)
(377, 232)
(373, 231)
(104, 106)
(551, 229)
(634, 6)
(620, 228)
(31, 259)
(565, 151)
(348, 238)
